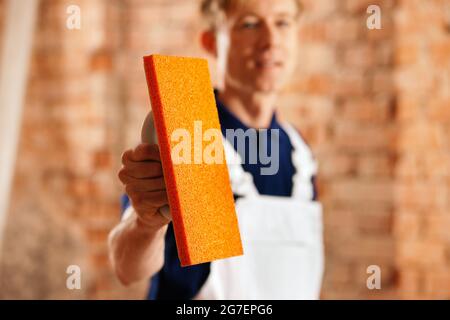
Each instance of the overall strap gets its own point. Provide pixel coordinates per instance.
(304, 163)
(241, 181)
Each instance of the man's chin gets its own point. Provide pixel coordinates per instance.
(260, 85)
(267, 86)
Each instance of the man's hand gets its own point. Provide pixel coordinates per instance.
(143, 178)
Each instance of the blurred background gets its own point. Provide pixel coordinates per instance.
(373, 104)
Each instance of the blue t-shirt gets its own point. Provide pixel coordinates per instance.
(175, 282)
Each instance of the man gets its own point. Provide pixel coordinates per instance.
(255, 43)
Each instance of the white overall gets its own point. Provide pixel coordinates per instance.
(282, 237)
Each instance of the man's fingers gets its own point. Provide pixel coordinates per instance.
(157, 198)
(126, 156)
(154, 199)
(142, 170)
(145, 152)
(143, 185)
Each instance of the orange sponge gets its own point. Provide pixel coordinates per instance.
(200, 196)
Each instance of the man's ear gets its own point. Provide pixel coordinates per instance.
(208, 42)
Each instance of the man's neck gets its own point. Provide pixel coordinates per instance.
(254, 109)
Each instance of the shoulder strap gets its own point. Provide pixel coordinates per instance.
(241, 181)
(304, 162)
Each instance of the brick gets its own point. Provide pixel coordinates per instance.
(421, 253)
(406, 53)
(409, 167)
(375, 165)
(436, 166)
(437, 227)
(101, 60)
(318, 84)
(420, 136)
(359, 56)
(339, 273)
(340, 165)
(360, 6)
(340, 220)
(343, 30)
(410, 285)
(321, 8)
(366, 110)
(350, 83)
(382, 82)
(440, 51)
(436, 284)
(368, 249)
(316, 109)
(312, 32)
(379, 223)
(439, 109)
(102, 159)
(363, 138)
(317, 58)
(354, 191)
(407, 226)
(421, 195)
(409, 107)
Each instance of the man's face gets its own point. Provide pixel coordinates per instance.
(263, 41)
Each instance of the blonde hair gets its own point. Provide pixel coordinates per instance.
(214, 10)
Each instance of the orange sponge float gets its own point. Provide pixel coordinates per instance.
(200, 196)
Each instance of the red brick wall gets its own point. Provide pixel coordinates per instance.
(372, 104)
(66, 194)
(2, 20)
(422, 84)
